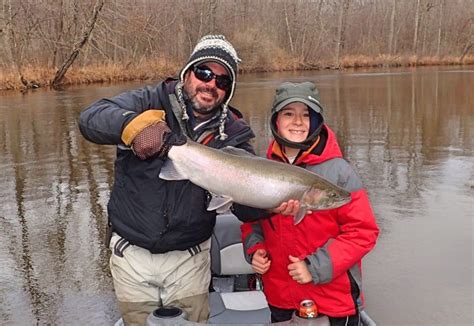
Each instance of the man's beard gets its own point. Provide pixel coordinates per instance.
(200, 107)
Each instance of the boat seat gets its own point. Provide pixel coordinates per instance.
(232, 301)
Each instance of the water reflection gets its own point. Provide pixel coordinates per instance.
(409, 133)
(55, 254)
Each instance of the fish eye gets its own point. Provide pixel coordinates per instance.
(332, 194)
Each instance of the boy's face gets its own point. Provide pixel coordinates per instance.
(293, 122)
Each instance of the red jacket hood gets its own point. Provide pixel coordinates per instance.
(331, 150)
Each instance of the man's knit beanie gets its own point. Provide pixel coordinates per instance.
(217, 49)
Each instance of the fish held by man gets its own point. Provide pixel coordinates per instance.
(234, 175)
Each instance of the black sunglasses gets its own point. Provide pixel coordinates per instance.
(205, 74)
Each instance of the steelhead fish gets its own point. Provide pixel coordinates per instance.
(234, 175)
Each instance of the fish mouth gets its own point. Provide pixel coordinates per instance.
(335, 203)
(330, 204)
(341, 202)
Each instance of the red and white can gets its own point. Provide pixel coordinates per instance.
(308, 309)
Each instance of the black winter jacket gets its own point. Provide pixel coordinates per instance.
(147, 211)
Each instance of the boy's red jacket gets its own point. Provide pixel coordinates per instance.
(332, 242)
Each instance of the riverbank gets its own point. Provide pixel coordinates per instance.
(36, 77)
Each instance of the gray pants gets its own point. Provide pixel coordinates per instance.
(144, 281)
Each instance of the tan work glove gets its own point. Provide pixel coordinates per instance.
(149, 135)
(150, 141)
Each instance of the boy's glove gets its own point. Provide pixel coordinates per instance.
(155, 140)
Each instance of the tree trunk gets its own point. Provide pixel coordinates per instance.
(13, 46)
(212, 16)
(79, 45)
(392, 26)
(417, 22)
(288, 30)
(440, 26)
(341, 31)
(368, 40)
(59, 37)
(466, 50)
(423, 43)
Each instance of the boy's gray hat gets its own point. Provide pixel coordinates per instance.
(306, 93)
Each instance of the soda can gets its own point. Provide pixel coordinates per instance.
(308, 309)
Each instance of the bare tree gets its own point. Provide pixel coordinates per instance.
(212, 16)
(392, 27)
(466, 50)
(288, 30)
(440, 27)
(77, 48)
(417, 23)
(39, 35)
(343, 11)
(17, 38)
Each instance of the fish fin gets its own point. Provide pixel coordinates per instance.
(236, 151)
(168, 172)
(220, 203)
(300, 215)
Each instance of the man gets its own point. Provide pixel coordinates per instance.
(160, 230)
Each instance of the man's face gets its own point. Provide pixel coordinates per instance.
(205, 96)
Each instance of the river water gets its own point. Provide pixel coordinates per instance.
(409, 133)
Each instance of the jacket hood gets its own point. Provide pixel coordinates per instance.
(330, 151)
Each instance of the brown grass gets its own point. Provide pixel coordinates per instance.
(402, 61)
(10, 79)
(152, 69)
(275, 59)
(41, 77)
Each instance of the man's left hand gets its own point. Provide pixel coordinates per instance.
(299, 271)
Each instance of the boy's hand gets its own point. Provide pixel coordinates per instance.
(299, 271)
(260, 261)
(290, 208)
